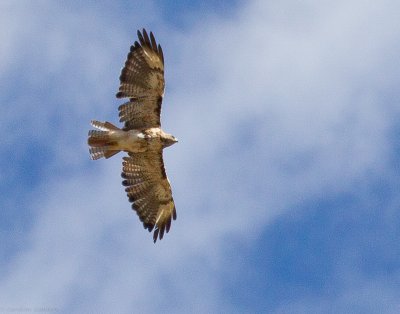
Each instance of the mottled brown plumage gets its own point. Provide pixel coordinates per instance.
(145, 180)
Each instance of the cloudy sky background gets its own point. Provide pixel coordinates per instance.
(285, 178)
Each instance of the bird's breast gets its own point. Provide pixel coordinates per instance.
(133, 141)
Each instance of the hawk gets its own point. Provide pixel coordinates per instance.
(145, 180)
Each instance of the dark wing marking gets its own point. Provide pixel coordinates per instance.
(142, 80)
(149, 191)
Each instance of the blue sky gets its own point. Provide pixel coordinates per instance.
(285, 177)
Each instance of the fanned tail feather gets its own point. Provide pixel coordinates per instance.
(99, 152)
(100, 141)
(98, 138)
(103, 126)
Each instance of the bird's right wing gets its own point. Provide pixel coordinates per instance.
(142, 80)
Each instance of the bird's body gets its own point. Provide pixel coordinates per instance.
(109, 138)
(147, 186)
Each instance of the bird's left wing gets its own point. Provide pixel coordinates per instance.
(142, 80)
(149, 191)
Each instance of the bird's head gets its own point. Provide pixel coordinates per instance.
(169, 140)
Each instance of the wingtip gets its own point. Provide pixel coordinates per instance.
(160, 52)
(168, 226)
(140, 37)
(120, 95)
(146, 38)
(153, 42)
(155, 235)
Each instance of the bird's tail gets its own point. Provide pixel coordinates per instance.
(100, 142)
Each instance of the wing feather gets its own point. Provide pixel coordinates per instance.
(142, 80)
(141, 113)
(149, 191)
(153, 42)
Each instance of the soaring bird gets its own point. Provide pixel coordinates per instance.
(145, 180)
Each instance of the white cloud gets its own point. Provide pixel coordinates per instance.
(363, 296)
(283, 103)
